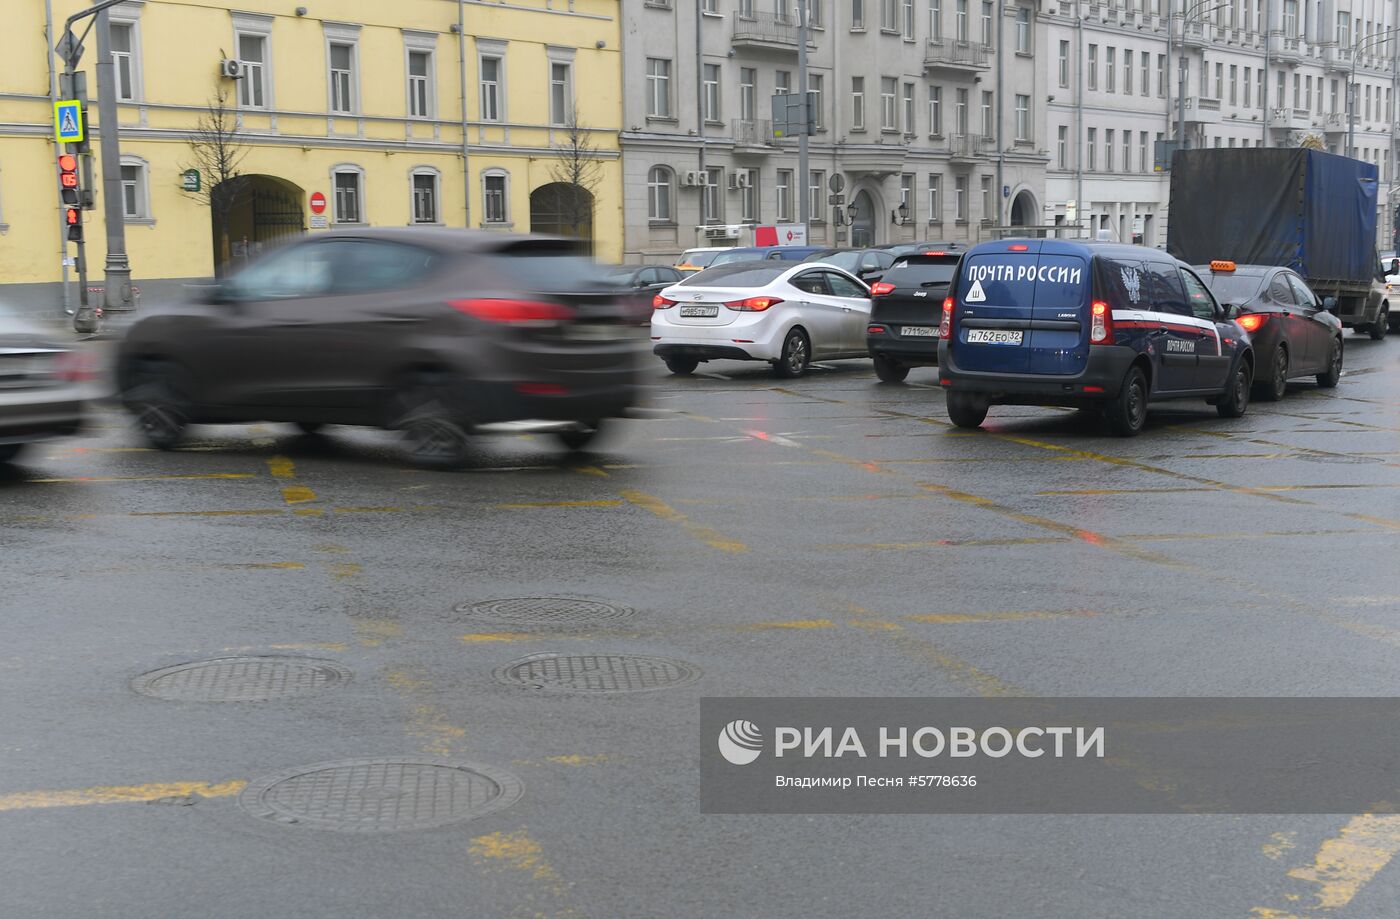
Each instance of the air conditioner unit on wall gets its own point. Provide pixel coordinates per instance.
(692, 178)
(231, 69)
(745, 179)
(734, 180)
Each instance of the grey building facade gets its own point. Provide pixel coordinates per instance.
(927, 103)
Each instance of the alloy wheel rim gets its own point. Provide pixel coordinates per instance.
(797, 352)
(160, 421)
(1280, 372)
(1135, 401)
(434, 438)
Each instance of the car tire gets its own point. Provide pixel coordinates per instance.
(796, 356)
(308, 427)
(682, 366)
(581, 435)
(1381, 325)
(162, 411)
(889, 371)
(8, 452)
(1234, 402)
(1126, 413)
(434, 437)
(1329, 378)
(1274, 388)
(967, 410)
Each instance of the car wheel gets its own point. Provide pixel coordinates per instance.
(1235, 401)
(967, 410)
(889, 371)
(9, 451)
(1127, 412)
(682, 366)
(1273, 389)
(1333, 374)
(1380, 326)
(161, 410)
(581, 435)
(433, 437)
(309, 427)
(797, 355)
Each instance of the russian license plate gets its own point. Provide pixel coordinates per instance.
(918, 331)
(699, 312)
(594, 331)
(993, 337)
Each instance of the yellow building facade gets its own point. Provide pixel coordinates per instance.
(392, 112)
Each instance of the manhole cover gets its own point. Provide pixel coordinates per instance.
(597, 672)
(543, 611)
(380, 795)
(241, 679)
(1341, 458)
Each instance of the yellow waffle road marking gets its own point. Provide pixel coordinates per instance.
(1343, 865)
(659, 508)
(118, 794)
(94, 479)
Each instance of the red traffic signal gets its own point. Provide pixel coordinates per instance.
(68, 181)
(68, 162)
(74, 216)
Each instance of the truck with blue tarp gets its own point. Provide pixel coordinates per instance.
(1297, 208)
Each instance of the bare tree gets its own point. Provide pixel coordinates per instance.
(216, 152)
(577, 172)
(1313, 142)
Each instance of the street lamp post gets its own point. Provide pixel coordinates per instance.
(1351, 85)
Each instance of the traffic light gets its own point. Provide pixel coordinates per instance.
(71, 195)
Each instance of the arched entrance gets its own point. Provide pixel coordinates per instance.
(1023, 210)
(250, 213)
(562, 209)
(863, 220)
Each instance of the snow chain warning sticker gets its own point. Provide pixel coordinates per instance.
(976, 294)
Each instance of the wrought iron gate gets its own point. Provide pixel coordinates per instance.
(276, 216)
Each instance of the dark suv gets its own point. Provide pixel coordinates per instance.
(434, 332)
(905, 308)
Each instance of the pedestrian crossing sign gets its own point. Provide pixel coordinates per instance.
(68, 121)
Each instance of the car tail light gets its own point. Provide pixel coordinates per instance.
(661, 303)
(512, 312)
(753, 304)
(75, 367)
(937, 252)
(880, 288)
(1251, 322)
(541, 389)
(1100, 324)
(945, 327)
(875, 330)
(1020, 247)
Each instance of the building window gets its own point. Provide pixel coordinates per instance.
(960, 112)
(1110, 75)
(782, 82)
(342, 77)
(1092, 75)
(857, 15)
(659, 194)
(713, 200)
(814, 13)
(1162, 76)
(908, 114)
(816, 182)
(748, 195)
(857, 103)
(960, 198)
(1127, 151)
(420, 84)
(935, 110)
(349, 195)
(987, 206)
(711, 93)
(1062, 146)
(124, 61)
(495, 202)
(960, 20)
(889, 15)
(1091, 147)
(814, 91)
(425, 196)
(782, 189)
(1145, 86)
(1023, 30)
(1023, 117)
(1064, 65)
(658, 87)
(935, 20)
(889, 106)
(1108, 150)
(1127, 72)
(1143, 161)
(491, 95)
(987, 124)
(561, 92)
(1290, 18)
(252, 62)
(987, 23)
(906, 18)
(935, 198)
(1248, 79)
(906, 193)
(748, 93)
(135, 191)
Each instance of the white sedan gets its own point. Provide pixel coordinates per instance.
(786, 314)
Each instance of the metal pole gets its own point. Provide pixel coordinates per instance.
(116, 294)
(1078, 121)
(804, 172)
(62, 227)
(1001, 113)
(1351, 108)
(700, 110)
(462, 88)
(1264, 96)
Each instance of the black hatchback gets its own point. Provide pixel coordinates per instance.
(906, 306)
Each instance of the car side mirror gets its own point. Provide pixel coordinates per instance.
(871, 275)
(1329, 304)
(1228, 311)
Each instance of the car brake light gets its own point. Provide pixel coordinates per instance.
(880, 288)
(1020, 247)
(945, 327)
(875, 330)
(753, 304)
(1101, 324)
(511, 311)
(940, 252)
(541, 389)
(75, 367)
(1251, 322)
(661, 303)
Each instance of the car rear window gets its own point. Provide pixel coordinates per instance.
(699, 259)
(544, 270)
(737, 275)
(921, 273)
(1233, 288)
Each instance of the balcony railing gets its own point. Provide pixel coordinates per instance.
(958, 55)
(753, 133)
(767, 30)
(967, 146)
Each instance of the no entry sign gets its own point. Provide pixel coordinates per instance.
(318, 203)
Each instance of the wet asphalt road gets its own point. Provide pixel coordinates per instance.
(826, 536)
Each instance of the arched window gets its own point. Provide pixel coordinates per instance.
(495, 197)
(136, 192)
(348, 185)
(424, 185)
(659, 181)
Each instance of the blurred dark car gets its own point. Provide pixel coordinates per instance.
(1293, 333)
(42, 386)
(867, 264)
(640, 283)
(906, 307)
(763, 253)
(898, 249)
(434, 332)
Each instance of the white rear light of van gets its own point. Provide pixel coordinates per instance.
(1101, 324)
(945, 328)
